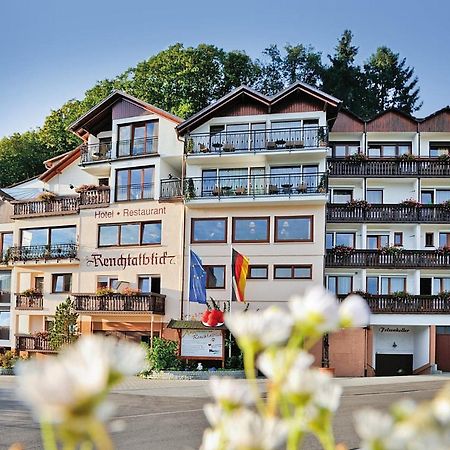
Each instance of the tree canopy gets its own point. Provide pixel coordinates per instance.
(183, 80)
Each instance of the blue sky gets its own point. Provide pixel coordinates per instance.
(53, 50)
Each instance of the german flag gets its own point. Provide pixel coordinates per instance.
(239, 267)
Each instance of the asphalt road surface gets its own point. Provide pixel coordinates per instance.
(167, 415)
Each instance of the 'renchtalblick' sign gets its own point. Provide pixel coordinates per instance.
(128, 260)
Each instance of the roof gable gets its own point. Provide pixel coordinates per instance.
(392, 120)
(438, 121)
(347, 122)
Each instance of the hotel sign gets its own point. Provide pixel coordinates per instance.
(128, 260)
(130, 212)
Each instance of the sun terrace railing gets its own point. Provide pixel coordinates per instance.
(407, 304)
(285, 139)
(34, 301)
(171, 188)
(406, 259)
(124, 149)
(388, 167)
(95, 197)
(32, 343)
(398, 213)
(144, 303)
(255, 185)
(45, 252)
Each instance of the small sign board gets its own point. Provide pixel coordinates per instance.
(202, 344)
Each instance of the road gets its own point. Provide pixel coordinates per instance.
(167, 415)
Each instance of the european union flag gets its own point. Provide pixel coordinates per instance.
(197, 281)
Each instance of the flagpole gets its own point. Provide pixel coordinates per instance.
(189, 287)
(231, 297)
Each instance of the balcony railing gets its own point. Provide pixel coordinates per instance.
(34, 301)
(171, 188)
(404, 259)
(124, 149)
(286, 139)
(27, 342)
(45, 252)
(40, 208)
(143, 303)
(128, 192)
(92, 198)
(292, 185)
(408, 304)
(337, 213)
(388, 167)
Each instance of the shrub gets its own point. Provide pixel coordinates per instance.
(8, 359)
(46, 196)
(163, 355)
(31, 292)
(104, 291)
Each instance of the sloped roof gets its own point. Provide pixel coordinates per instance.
(60, 165)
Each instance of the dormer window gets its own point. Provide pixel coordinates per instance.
(137, 139)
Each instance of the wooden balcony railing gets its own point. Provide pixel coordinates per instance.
(45, 252)
(94, 198)
(398, 213)
(41, 208)
(34, 302)
(388, 167)
(283, 139)
(404, 259)
(26, 342)
(407, 304)
(292, 185)
(143, 303)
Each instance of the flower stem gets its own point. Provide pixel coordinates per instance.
(48, 436)
(100, 436)
(86, 445)
(250, 374)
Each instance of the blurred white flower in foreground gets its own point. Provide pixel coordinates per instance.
(231, 393)
(354, 312)
(74, 384)
(273, 364)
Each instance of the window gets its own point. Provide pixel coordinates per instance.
(439, 148)
(107, 282)
(39, 284)
(342, 195)
(389, 150)
(257, 272)
(442, 195)
(141, 233)
(429, 239)
(427, 197)
(294, 229)
(5, 286)
(377, 241)
(49, 236)
(48, 323)
(292, 272)
(135, 184)
(372, 285)
(5, 320)
(343, 149)
(103, 181)
(149, 284)
(6, 242)
(375, 196)
(61, 282)
(340, 285)
(215, 277)
(441, 285)
(398, 239)
(336, 239)
(208, 230)
(444, 239)
(251, 229)
(137, 139)
(388, 285)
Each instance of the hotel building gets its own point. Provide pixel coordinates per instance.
(308, 191)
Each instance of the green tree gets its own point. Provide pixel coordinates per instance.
(64, 329)
(391, 83)
(271, 71)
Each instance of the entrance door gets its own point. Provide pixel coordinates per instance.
(393, 365)
(443, 348)
(426, 286)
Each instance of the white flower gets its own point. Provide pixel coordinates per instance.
(231, 392)
(327, 396)
(441, 409)
(274, 364)
(260, 329)
(212, 440)
(246, 430)
(373, 427)
(316, 312)
(354, 312)
(75, 382)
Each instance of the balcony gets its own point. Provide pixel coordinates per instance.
(98, 197)
(171, 188)
(408, 304)
(27, 342)
(29, 302)
(42, 252)
(398, 213)
(106, 151)
(388, 167)
(399, 259)
(288, 185)
(140, 303)
(41, 208)
(265, 140)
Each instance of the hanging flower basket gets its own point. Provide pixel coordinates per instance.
(413, 203)
(363, 204)
(342, 250)
(391, 250)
